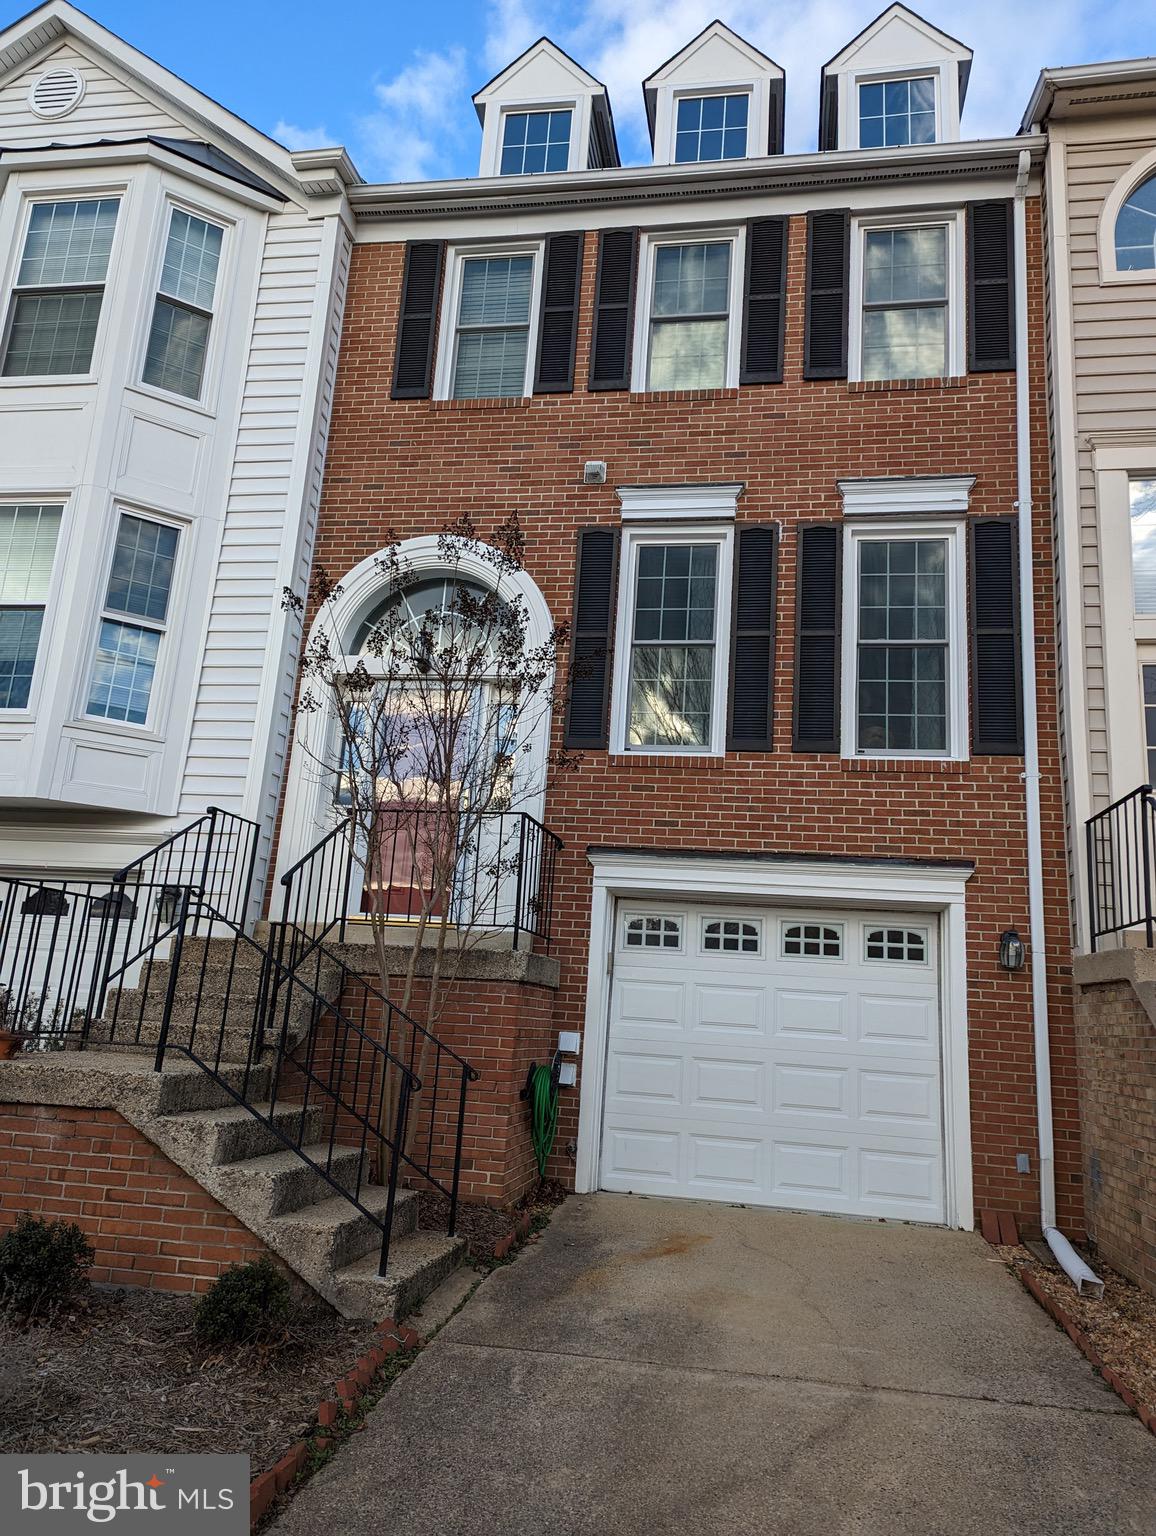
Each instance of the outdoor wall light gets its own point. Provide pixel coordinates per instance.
(1011, 950)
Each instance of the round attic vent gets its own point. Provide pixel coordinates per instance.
(56, 92)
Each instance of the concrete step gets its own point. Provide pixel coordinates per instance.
(234, 1134)
(417, 1265)
(332, 1233)
(234, 1044)
(283, 1181)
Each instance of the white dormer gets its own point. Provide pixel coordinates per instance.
(901, 81)
(544, 113)
(716, 99)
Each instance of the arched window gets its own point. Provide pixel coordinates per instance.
(1135, 231)
(440, 605)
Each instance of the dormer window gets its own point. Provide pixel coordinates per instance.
(711, 128)
(536, 141)
(895, 112)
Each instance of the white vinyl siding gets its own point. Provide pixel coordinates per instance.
(110, 106)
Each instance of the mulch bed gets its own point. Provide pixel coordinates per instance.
(1121, 1328)
(125, 1374)
(484, 1225)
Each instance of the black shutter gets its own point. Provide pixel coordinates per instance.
(828, 252)
(817, 612)
(590, 648)
(614, 310)
(558, 330)
(413, 358)
(996, 700)
(752, 640)
(764, 299)
(775, 92)
(991, 341)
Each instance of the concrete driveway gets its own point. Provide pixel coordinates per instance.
(659, 1366)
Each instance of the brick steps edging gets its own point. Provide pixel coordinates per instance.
(514, 1238)
(347, 1393)
(1083, 1343)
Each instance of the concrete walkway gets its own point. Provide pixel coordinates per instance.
(659, 1366)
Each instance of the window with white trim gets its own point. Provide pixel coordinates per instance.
(1134, 234)
(183, 311)
(711, 127)
(493, 304)
(731, 935)
(28, 536)
(1142, 521)
(896, 112)
(905, 651)
(653, 932)
(815, 941)
(671, 664)
(59, 288)
(904, 944)
(536, 141)
(133, 620)
(905, 302)
(689, 336)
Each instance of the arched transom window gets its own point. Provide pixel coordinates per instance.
(1135, 233)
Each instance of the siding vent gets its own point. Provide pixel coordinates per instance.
(56, 92)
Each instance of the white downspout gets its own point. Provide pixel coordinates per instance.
(1066, 1256)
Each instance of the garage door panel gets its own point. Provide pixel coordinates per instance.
(804, 1081)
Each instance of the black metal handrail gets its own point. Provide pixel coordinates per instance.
(1121, 857)
(72, 951)
(504, 868)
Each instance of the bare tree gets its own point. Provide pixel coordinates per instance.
(439, 740)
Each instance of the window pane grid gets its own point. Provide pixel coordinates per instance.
(142, 569)
(689, 309)
(711, 128)
(139, 584)
(122, 679)
(182, 316)
(535, 141)
(493, 327)
(895, 112)
(19, 639)
(672, 660)
(192, 255)
(67, 243)
(1135, 233)
(905, 303)
(59, 288)
(177, 347)
(901, 687)
(52, 333)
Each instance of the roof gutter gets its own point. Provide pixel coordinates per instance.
(1066, 1256)
(768, 173)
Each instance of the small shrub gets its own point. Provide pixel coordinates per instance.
(248, 1304)
(43, 1266)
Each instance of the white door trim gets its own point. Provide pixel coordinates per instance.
(938, 888)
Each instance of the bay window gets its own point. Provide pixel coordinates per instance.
(59, 289)
(28, 538)
(133, 620)
(183, 310)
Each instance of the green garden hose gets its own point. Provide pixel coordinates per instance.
(543, 1093)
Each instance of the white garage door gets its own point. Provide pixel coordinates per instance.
(776, 1057)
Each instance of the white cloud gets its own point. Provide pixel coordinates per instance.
(294, 137)
(424, 126)
(419, 121)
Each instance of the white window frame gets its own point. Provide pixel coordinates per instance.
(952, 221)
(1130, 181)
(447, 344)
(648, 245)
(699, 93)
(956, 671)
(63, 194)
(634, 538)
(527, 109)
(932, 72)
(217, 323)
(63, 500)
(166, 652)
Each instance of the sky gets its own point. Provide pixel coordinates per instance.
(392, 81)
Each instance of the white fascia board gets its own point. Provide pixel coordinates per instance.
(847, 881)
(1081, 76)
(908, 494)
(671, 503)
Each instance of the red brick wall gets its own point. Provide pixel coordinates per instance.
(1117, 1053)
(150, 1224)
(413, 466)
